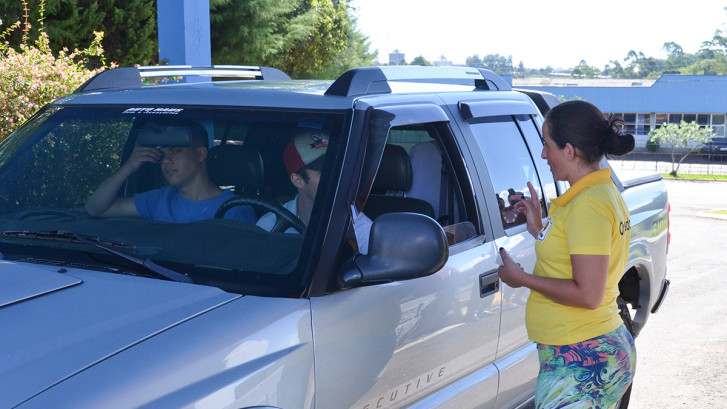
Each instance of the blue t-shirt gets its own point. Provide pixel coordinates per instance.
(167, 205)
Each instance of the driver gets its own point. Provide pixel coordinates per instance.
(190, 196)
(303, 157)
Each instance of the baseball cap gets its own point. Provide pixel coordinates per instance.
(306, 150)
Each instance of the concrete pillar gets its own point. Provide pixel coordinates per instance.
(184, 32)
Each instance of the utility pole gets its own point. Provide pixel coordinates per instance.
(184, 32)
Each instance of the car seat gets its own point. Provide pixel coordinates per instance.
(393, 179)
(237, 166)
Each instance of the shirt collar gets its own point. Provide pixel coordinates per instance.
(599, 177)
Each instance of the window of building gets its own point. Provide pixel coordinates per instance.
(718, 125)
(643, 124)
(630, 120)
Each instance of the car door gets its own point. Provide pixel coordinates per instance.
(425, 342)
(509, 163)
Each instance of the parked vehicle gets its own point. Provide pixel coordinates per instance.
(92, 317)
(716, 149)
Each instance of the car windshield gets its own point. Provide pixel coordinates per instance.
(52, 165)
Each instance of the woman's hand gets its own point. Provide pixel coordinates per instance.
(530, 207)
(510, 272)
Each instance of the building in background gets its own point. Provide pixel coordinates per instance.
(397, 58)
(442, 62)
(646, 104)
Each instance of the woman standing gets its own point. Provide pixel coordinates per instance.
(587, 357)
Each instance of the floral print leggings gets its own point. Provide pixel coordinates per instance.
(592, 374)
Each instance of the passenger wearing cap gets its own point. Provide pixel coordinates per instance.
(303, 157)
(190, 196)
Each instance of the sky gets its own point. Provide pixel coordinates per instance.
(559, 33)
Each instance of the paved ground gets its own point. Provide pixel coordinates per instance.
(682, 351)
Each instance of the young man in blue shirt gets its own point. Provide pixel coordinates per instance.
(190, 196)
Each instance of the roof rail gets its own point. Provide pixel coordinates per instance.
(375, 80)
(131, 77)
(545, 101)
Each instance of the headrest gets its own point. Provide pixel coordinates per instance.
(394, 171)
(238, 166)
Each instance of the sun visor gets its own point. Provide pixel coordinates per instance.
(166, 136)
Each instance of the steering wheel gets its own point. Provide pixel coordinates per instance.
(284, 217)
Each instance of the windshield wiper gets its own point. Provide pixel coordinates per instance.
(105, 245)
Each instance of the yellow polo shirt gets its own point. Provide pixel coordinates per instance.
(591, 217)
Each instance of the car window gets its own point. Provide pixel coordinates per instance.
(66, 163)
(436, 189)
(509, 164)
(52, 165)
(535, 145)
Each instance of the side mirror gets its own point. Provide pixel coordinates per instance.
(402, 246)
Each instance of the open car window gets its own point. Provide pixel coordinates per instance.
(51, 166)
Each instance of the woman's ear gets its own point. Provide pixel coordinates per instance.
(570, 151)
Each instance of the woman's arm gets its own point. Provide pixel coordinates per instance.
(585, 290)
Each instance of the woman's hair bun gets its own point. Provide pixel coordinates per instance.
(615, 141)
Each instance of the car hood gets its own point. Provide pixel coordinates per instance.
(57, 322)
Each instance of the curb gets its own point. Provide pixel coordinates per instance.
(708, 215)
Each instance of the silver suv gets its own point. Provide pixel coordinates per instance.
(221, 313)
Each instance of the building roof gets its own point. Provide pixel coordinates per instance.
(669, 94)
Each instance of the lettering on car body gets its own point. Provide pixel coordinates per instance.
(405, 390)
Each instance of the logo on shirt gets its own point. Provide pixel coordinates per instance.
(623, 227)
(544, 230)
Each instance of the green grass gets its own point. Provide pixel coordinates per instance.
(695, 177)
(723, 212)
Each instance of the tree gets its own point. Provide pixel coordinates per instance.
(640, 66)
(474, 61)
(34, 76)
(420, 60)
(684, 138)
(585, 70)
(716, 65)
(498, 64)
(355, 55)
(325, 40)
(301, 37)
(676, 58)
(129, 26)
(268, 27)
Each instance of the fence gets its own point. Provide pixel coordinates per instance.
(695, 164)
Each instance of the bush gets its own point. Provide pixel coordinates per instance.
(32, 76)
(652, 145)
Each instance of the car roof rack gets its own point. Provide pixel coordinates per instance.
(545, 101)
(375, 80)
(132, 77)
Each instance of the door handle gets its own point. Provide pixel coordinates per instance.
(489, 283)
